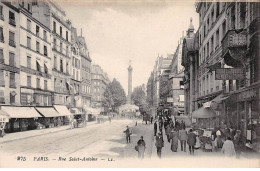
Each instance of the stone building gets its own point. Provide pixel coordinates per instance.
(53, 17)
(9, 54)
(99, 80)
(35, 59)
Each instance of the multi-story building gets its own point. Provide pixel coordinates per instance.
(240, 50)
(211, 31)
(9, 54)
(161, 64)
(85, 70)
(99, 82)
(81, 76)
(35, 59)
(150, 90)
(190, 63)
(175, 81)
(52, 16)
(75, 70)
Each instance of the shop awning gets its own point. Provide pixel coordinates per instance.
(62, 110)
(21, 112)
(48, 112)
(219, 98)
(204, 113)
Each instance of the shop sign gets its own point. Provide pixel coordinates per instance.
(229, 74)
(249, 94)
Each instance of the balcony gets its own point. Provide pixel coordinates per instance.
(2, 17)
(12, 22)
(234, 39)
(12, 43)
(234, 47)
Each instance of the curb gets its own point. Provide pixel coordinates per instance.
(65, 129)
(32, 136)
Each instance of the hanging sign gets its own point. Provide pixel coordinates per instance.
(230, 74)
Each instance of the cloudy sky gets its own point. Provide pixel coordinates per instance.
(119, 31)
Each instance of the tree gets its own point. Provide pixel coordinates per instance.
(139, 98)
(114, 95)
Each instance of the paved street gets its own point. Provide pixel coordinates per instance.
(98, 140)
(102, 141)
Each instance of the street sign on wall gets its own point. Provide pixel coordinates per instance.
(230, 74)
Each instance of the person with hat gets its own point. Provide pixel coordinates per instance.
(127, 134)
(141, 147)
(159, 143)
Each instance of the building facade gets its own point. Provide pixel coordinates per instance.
(99, 80)
(55, 19)
(9, 54)
(35, 59)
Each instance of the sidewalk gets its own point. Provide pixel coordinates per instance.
(9, 137)
(167, 153)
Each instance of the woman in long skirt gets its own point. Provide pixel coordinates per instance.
(175, 139)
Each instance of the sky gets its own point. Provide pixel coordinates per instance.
(119, 31)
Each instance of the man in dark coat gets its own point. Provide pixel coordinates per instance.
(155, 128)
(141, 147)
(159, 143)
(127, 134)
(191, 141)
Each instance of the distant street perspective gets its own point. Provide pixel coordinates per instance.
(142, 81)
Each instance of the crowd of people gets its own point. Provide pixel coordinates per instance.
(229, 142)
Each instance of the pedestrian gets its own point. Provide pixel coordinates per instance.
(155, 128)
(219, 140)
(151, 119)
(141, 147)
(159, 143)
(191, 141)
(175, 139)
(109, 118)
(168, 133)
(182, 125)
(183, 136)
(228, 148)
(238, 143)
(127, 134)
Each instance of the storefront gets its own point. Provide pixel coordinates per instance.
(21, 118)
(65, 114)
(51, 118)
(243, 113)
(4, 118)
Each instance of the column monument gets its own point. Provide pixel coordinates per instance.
(130, 69)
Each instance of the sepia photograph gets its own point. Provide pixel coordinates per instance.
(129, 84)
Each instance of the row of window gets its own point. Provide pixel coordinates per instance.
(11, 79)
(61, 65)
(212, 44)
(45, 49)
(2, 98)
(61, 47)
(76, 63)
(86, 89)
(55, 31)
(37, 28)
(11, 58)
(38, 83)
(11, 37)
(11, 16)
(38, 66)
